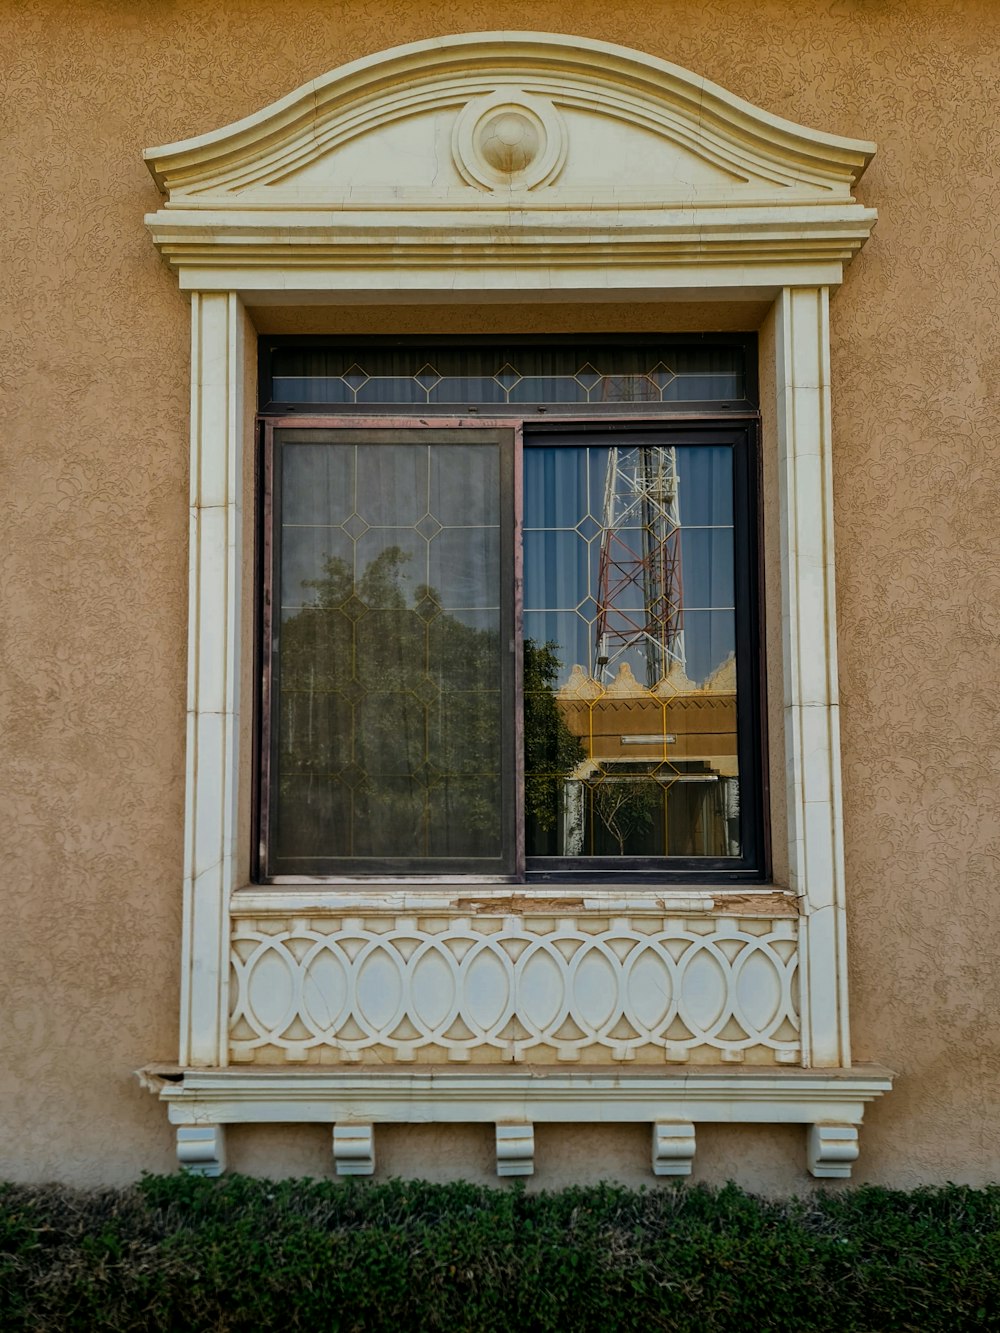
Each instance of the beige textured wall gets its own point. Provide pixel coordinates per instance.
(93, 553)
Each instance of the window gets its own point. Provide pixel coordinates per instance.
(778, 225)
(517, 647)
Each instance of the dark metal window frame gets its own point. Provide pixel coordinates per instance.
(737, 426)
(744, 439)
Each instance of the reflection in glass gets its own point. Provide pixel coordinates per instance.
(599, 374)
(629, 653)
(389, 726)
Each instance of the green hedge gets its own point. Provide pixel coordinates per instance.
(178, 1253)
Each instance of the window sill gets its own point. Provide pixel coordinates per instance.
(466, 896)
(831, 1102)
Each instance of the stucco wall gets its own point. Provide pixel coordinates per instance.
(93, 561)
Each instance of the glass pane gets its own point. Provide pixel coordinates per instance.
(703, 388)
(629, 652)
(311, 389)
(309, 551)
(466, 495)
(461, 817)
(458, 390)
(391, 483)
(306, 809)
(503, 374)
(463, 564)
(319, 484)
(707, 564)
(388, 713)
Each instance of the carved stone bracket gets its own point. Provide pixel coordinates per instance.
(354, 1150)
(673, 1148)
(201, 1149)
(515, 1149)
(831, 1151)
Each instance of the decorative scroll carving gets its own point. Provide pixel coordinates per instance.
(354, 1150)
(201, 1149)
(673, 1148)
(831, 1150)
(495, 988)
(515, 1149)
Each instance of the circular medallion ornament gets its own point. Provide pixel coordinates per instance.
(509, 139)
(509, 142)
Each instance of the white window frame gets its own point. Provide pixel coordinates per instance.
(782, 231)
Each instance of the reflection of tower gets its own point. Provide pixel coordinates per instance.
(640, 597)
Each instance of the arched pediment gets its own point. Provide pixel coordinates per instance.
(553, 139)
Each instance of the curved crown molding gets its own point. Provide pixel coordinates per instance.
(447, 71)
(582, 152)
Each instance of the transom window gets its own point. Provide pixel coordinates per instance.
(512, 649)
(527, 376)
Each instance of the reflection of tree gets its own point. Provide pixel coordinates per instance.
(626, 806)
(551, 751)
(390, 730)
(400, 703)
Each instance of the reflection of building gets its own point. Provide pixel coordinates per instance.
(679, 735)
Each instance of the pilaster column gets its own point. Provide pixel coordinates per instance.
(216, 571)
(811, 701)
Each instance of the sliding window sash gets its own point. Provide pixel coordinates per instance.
(333, 842)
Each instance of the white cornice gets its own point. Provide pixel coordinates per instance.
(710, 248)
(434, 1095)
(682, 175)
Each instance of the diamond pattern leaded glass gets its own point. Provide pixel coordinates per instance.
(394, 711)
(507, 376)
(629, 652)
(389, 716)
